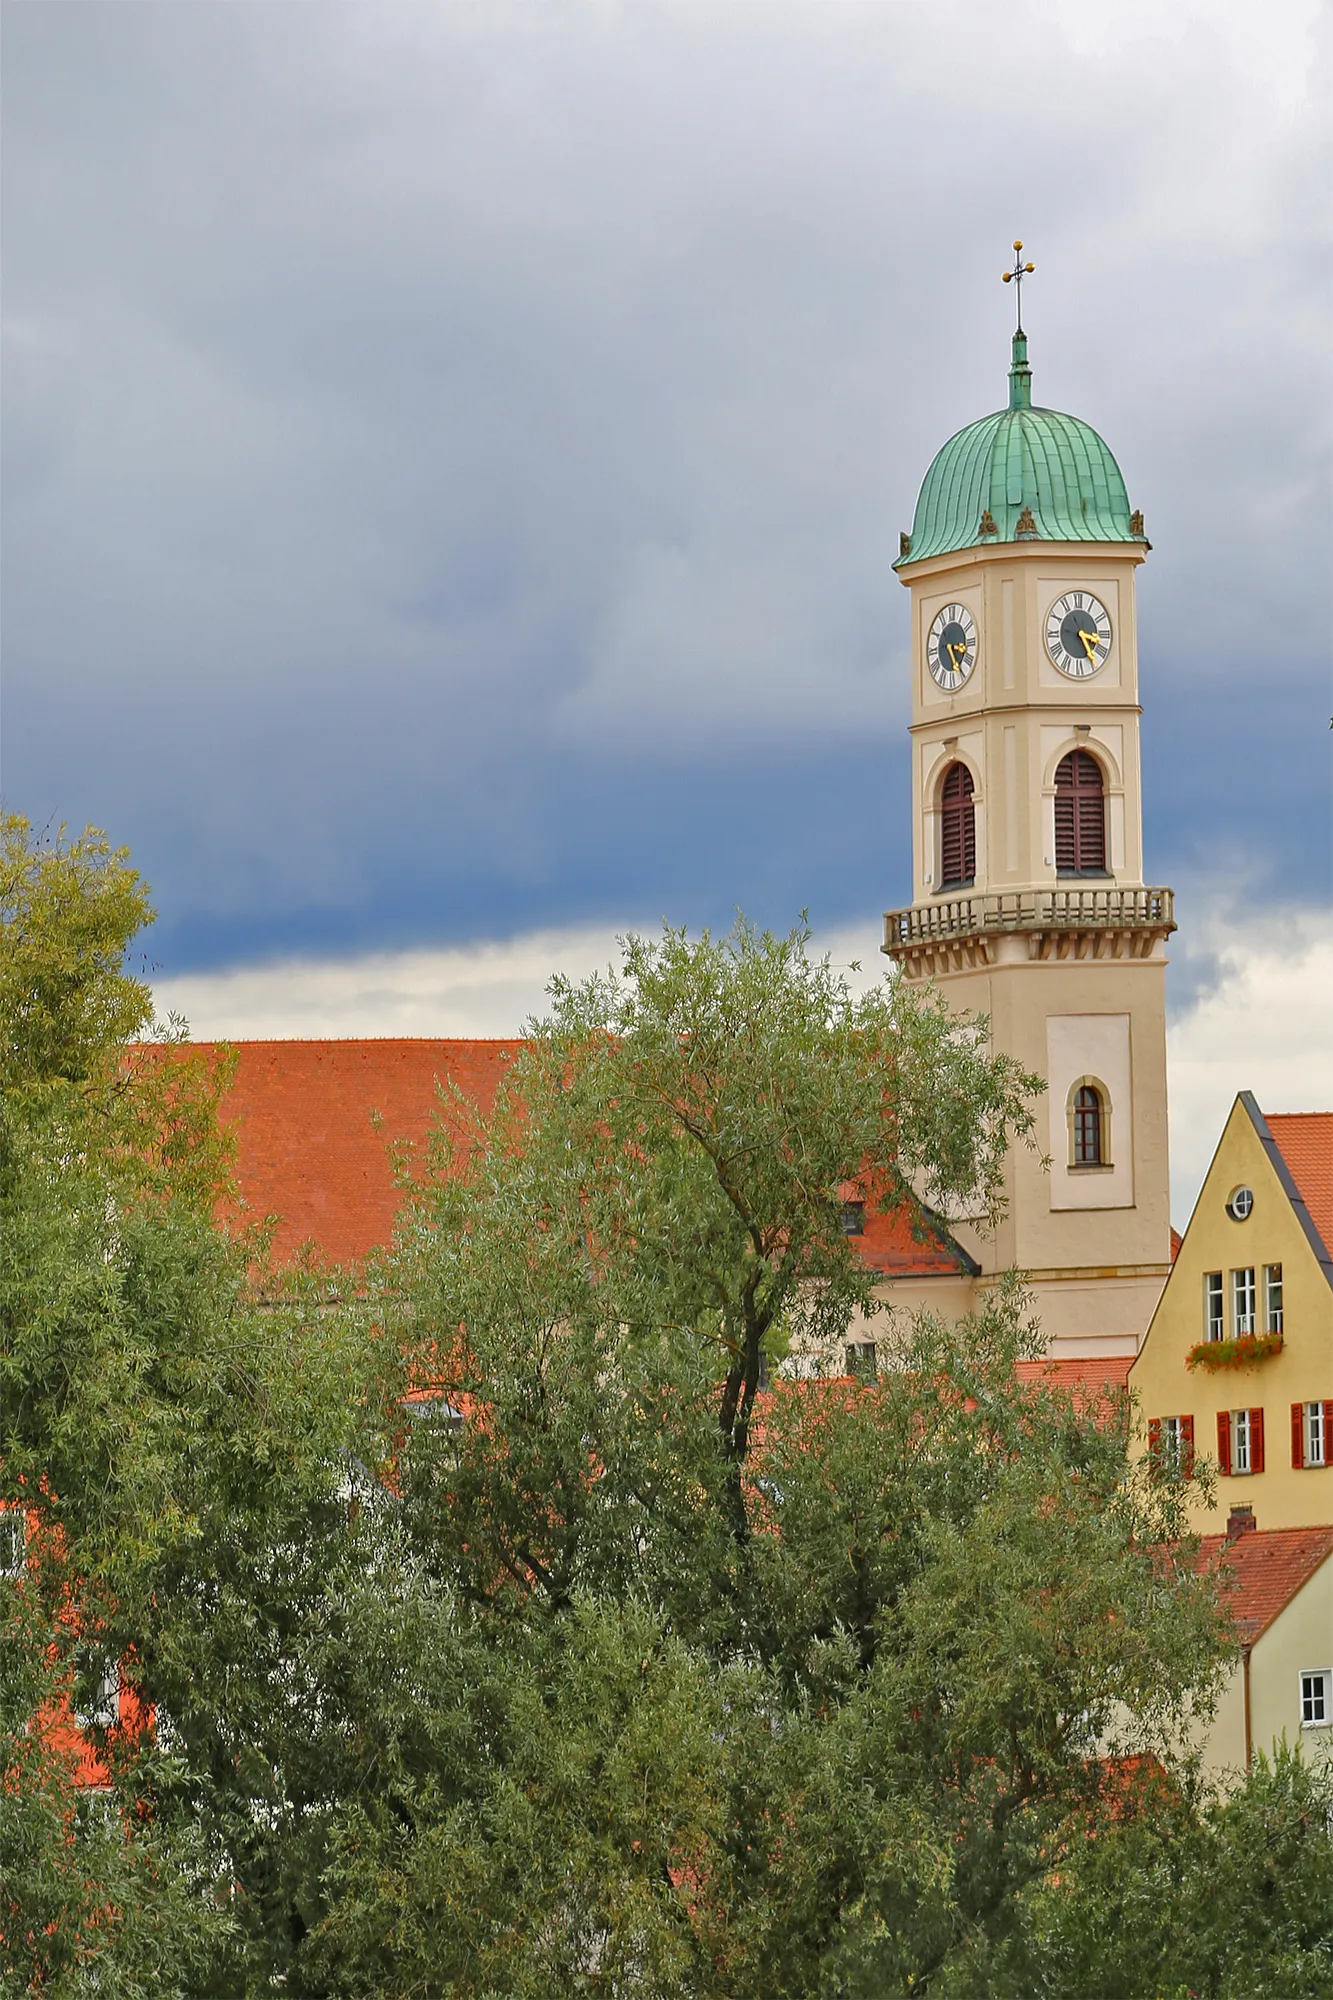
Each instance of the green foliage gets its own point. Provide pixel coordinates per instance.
(500, 1635)
(68, 910)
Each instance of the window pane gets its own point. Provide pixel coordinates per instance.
(1240, 1440)
(1212, 1288)
(1242, 1293)
(1316, 1441)
(13, 1541)
(1272, 1298)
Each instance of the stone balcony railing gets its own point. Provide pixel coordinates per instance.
(1075, 921)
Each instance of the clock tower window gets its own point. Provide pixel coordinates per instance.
(1089, 1121)
(1080, 815)
(958, 829)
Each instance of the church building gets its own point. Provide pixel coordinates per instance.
(1029, 900)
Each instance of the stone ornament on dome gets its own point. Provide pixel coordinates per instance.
(987, 525)
(1026, 527)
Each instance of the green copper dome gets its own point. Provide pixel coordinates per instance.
(1023, 474)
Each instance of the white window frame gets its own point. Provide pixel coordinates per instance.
(1316, 1689)
(1240, 1443)
(1172, 1445)
(1315, 1439)
(1244, 1317)
(1214, 1306)
(862, 1361)
(13, 1541)
(1272, 1298)
(104, 1713)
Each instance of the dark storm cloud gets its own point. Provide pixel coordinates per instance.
(453, 454)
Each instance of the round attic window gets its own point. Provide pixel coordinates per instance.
(1239, 1203)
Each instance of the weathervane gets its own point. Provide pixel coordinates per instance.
(1015, 278)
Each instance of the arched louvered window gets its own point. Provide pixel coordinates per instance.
(1087, 1126)
(958, 829)
(1080, 815)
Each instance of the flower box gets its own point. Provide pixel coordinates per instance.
(1241, 1353)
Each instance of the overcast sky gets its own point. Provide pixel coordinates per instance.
(453, 454)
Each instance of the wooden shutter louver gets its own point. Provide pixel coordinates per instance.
(1256, 1440)
(958, 829)
(1187, 1446)
(1080, 815)
(1298, 1436)
(1224, 1441)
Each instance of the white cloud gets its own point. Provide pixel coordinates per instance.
(480, 989)
(1261, 1021)
(1266, 1025)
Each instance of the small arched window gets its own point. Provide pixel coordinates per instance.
(1089, 1126)
(1080, 815)
(958, 829)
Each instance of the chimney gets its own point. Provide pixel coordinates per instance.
(1240, 1522)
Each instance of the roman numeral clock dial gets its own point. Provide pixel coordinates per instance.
(951, 647)
(1078, 634)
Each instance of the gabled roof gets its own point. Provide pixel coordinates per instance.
(1264, 1569)
(1307, 1136)
(1305, 1141)
(890, 1247)
(314, 1122)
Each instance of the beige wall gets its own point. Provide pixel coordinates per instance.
(1068, 1231)
(1302, 1637)
(1281, 1496)
(1299, 1638)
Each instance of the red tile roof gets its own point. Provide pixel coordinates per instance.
(889, 1246)
(307, 1145)
(1265, 1569)
(1091, 1375)
(1305, 1140)
(314, 1122)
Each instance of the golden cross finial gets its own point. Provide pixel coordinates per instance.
(1015, 278)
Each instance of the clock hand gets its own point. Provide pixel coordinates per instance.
(1090, 650)
(956, 653)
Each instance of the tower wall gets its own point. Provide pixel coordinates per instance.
(1069, 970)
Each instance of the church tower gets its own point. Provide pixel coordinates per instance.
(1029, 903)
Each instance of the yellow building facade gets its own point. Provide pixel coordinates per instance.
(1237, 1366)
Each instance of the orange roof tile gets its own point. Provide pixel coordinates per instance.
(314, 1122)
(888, 1246)
(307, 1147)
(1092, 1374)
(1265, 1567)
(1305, 1141)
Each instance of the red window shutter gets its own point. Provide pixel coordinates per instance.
(1256, 1440)
(1187, 1446)
(1154, 1444)
(1224, 1441)
(1328, 1434)
(1298, 1435)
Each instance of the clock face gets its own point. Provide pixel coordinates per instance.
(951, 649)
(1078, 634)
